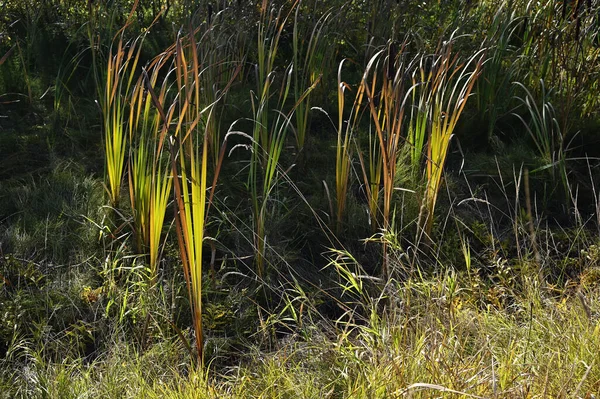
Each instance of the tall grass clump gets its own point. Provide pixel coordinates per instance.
(223, 62)
(545, 132)
(270, 132)
(184, 122)
(496, 75)
(343, 155)
(268, 138)
(120, 72)
(385, 89)
(149, 174)
(309, 59)
(431, 92)
(452, 82)
(270, 28)
(190, 141)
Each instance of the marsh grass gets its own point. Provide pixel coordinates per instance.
(545, 131)
(344, 147)
(270, 134)
(436, 339)
(121, 68)
(387, 114)
(149, 174)
(190, 184)
(267, 140)
(499, 300)
(441, 86)
(490, 91)
(451, 86)
(309, 59)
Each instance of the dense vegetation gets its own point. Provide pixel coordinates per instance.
(320, 199)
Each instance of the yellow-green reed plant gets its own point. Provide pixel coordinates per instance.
(371, 172)
(190, 184)
(184, 129)
(418, 122)
(220, 60)
(545, 131)
(260, 193)
(270, 27)
(189, 161)
(386, 90)
(267, 141)
(120, 71)
(343, 157)
(184, 132)
(451, 85)
(190, 146)
(267, 170)
(503, 28)
(308, 63)
(149, 170)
